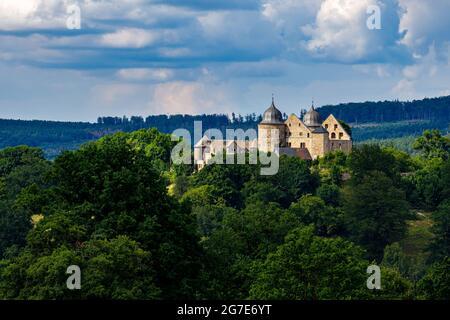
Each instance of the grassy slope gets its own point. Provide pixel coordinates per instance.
(417, 240)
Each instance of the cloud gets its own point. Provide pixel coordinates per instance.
(34, 14)
(215, 4)
(133, 74)
(189, 98)
(129, 38)
(428, 76)
(340, 32)
(111, 93)
(425, 23)
(215, 55)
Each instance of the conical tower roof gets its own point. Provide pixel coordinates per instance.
(272, 115)
(312, 118)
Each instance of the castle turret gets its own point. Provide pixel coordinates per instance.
(312, 118)
(272, 124)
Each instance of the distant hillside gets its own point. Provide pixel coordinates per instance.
(370, 121)
(54, 137)
(434, 110)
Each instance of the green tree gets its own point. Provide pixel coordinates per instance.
(261, 192)
(111, 188)
(327, 220)
(330, 193)
(243, 238)
(308, 267)
(23, 173)
(432, 183)
(440, 247)
(110, 269)
(435, 285)
(294, 179)
(433, 145)
(375, 213)
(367, 158)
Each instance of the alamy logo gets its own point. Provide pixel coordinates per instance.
(73, 21)
(374, 20)
(212, 148)
(74, 281)
(374, 280)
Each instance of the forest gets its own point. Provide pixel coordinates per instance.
(382, 122)
(141, 227)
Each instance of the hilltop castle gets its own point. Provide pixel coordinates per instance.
(307, 139)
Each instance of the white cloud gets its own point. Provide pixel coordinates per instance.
(289, 15)
(238, 32)
(428, 76)
(112, 93)
(426, 23)
(340, 31)
(129, 38)
(35, 14)
(158, 74)
(189, 98)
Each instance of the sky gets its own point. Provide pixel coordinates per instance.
(144, 57)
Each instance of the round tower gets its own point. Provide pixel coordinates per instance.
(271, 130)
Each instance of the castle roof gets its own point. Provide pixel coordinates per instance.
(312, 118)
(272, 115)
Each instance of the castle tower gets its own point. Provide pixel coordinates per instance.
(271, 124)
(319, 137)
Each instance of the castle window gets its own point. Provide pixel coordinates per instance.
(335, 127)
(333, 135)
(289, 124)
(340, 146)
(301, 134)
(302, 145)
(326, 126)
(307, 135)
(341, 135)
(289, 144)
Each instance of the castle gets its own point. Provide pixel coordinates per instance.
(307, 139)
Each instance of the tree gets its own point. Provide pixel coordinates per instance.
(308, 267)
(330, 193)
(110, 269)
(294, 179)
(432, 183)
(111, 188)
(433, 145)
(261, 192)
(243, 238)
(11, 158)
(313, 210)
(375, 213)
(23, 171)
(367, 158)
(435, 284)
(227, 180)
(440, 247)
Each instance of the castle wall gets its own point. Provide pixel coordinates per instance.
(343, 145)
(265, 142)
(339, 138)
(319, 145)
(297, 134)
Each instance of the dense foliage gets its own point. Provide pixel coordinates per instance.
(140, 227)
